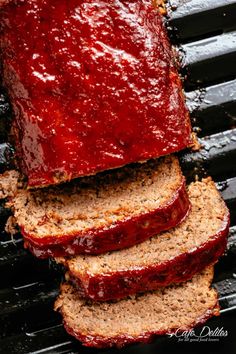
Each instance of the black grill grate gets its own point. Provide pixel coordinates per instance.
(207, 31)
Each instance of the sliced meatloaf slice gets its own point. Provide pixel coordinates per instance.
(93, 86)
(111, 211)
(138, 318)
(173, 256)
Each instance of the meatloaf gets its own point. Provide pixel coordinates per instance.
(171, 257)
(105, 212)
(93, 85)
(139, 318)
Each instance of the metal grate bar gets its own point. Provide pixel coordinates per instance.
(204, 60)
(195, 18)
(217, 156)
(213, 109)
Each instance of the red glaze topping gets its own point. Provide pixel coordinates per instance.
(121, 235)
(93, 86)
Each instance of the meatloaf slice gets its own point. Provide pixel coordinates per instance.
(173, 256)
(138, 318)
(101, 213)
(93, 86)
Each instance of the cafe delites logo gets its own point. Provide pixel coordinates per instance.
(205, 334)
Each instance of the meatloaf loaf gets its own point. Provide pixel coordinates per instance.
(173, 256)
(106, 212)
(93, 85)
(138, 318)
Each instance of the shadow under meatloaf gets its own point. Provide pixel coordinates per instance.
(90, 95)
(139, 318)
(171, 257)
(101, 213)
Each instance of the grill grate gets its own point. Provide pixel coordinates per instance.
(206, 30)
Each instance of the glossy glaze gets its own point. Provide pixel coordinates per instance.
(93, 86)
(115, 285)
(122, 234)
